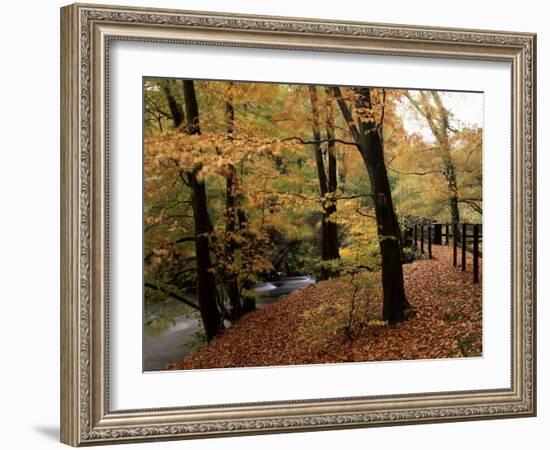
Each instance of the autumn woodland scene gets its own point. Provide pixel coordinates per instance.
(292, 224)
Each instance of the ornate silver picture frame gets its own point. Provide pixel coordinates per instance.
(87, 32)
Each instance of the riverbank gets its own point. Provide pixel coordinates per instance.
(338, 321)
(160, 349)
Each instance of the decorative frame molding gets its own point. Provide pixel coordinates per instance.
(86, 31)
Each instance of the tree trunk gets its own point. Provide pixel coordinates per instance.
(402, 243)
(395, 300)
(453, 189)
(332, 227)
(206, 283)
(248, 301)
(176, 111)
(327, 185)
(230, 277)
(192, 123)
(232, 211)
(235, 219)
(438, 120)
(369, 143)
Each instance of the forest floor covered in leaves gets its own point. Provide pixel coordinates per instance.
(338, 320)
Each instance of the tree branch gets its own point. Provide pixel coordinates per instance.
(414, 173)
(171, 294)
(318, 141)
(424, 111)
(346, 113)
(185, 239)
(364, 214)
(351, 197)
(478, 146)
(472, 204)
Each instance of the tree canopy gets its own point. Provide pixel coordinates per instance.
(285, 179)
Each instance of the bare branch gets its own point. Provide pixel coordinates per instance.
(424, 111)
(414, 173)
(472, 203)
(364, 214)
(346, 113)
(351, 197)
(477, 147)
(171, 294)
(318, 141)
(185, 239)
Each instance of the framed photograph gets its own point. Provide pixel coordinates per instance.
(276, 224)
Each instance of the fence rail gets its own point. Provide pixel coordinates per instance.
(461, 234)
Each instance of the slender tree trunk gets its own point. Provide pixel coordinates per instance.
(437, 117)
(327, 185)
(402, 243)
(192, 123)
(206, 283)
(159, 121)
(369, 143)
(332, 226)
(231, 278)
(176, 111)
(248, 301)
(450, 176)
(231, 187)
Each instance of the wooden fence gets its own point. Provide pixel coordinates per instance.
(464, 235)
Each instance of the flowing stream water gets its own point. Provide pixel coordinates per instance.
(158, 351)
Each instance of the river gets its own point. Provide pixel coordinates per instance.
(169, 346)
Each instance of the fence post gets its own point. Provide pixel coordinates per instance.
(422, 239)
(476, 253)
(455, 243)
(464, 238)
(430, 241)
(437, 234)
(446, 234)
